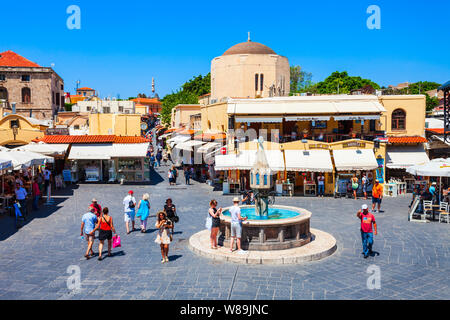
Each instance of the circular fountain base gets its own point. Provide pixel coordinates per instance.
(270, 234)
(321, 246)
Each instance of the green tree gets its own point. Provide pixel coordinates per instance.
(300, 80)
(342, 83)
(188, 94)
(68, 106)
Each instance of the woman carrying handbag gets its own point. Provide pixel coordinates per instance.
(106, 227)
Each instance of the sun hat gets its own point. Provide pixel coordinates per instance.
(94, 200)
(236, 199)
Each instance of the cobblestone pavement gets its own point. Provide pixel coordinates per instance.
(413, 257)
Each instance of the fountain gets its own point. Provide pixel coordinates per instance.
(272, 234)
(267, 228)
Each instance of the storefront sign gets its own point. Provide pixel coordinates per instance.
(345, 118)
(354, 144)
(67, 175)
(57, 131)
(319, 146)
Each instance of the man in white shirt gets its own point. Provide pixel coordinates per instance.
(21, 195)
(236, 225)
(129, 204)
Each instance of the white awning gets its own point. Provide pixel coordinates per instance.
(165, 135)
(405, 156)
(187, 145)
(259, 119)
(208, 147)
(178, 139)
(308, 161)
(359, 117)
(129, 150)
(243, 161)
(45, 148)
(307, 118)
(91, 152)
(355, 159)
(24, 159)
(315, 105)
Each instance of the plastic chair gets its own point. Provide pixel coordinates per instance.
(443, 212)
(427, 208)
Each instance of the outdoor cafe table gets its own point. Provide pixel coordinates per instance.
(435, 208)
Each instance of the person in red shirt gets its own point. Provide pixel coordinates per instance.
(367, 219)
(36, 194)
(97, 208)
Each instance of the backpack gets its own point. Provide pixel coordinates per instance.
(131, 204)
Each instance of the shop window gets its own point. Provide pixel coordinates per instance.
(26, 95)
(398, 119)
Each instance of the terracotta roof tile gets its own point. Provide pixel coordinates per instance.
(406, 140)
(12, 59)
(436, 130)
(86, 89)
(210, 136)
(92, 139)
(146, 101)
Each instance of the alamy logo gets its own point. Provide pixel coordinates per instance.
(374, 280)
(74, 280)
(374, 20)
(74, 20)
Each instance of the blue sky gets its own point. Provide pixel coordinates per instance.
(123, 44)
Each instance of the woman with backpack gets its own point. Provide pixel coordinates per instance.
(143, 211)
(171, 212)
(106, 227)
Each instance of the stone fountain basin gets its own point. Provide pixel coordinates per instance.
(270, 234)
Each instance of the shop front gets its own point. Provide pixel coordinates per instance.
(357, 158)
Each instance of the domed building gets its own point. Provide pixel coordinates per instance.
(249, 70)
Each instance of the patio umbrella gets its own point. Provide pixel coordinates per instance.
(24, 159)
(4, 164)
(435, 168)
(44, 148)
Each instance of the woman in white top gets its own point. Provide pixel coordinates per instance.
(163, 237)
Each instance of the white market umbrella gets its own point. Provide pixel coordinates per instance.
(435, 168)
(24, 159)
(44, 148)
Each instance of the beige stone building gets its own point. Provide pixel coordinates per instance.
(36, 91)
(249, 70)
(181, 114)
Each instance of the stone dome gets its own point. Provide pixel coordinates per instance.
(249, 47)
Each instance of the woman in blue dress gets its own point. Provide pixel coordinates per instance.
(143, 211)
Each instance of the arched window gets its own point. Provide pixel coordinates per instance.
(398, 119)
(261, 81)
(256, 82)
(3, 93)
(26, 95)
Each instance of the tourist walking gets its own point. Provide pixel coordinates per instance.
(163, 237)
(143, 211)
(47, 185)
(21, 195)
(355, 185)
(236, 225)
(97, 208)
(106, 227)
(364, 185)
(187, 174)
(88, 222)
(171, 212)
(158, 158)
(321, 185)
(36, 194)
(129, 204)
(377, 195)
(367, 219)
(215, 216)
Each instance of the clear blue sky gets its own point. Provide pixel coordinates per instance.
(123, 44)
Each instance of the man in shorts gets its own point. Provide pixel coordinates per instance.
(377, 195)
(88, 222)
(129, 204)
(236, 225)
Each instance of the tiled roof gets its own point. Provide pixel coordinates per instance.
(436, 130)
(146, 101)
(210, 136)
(12, 59)
(91, 139)
(86, 89)
(406, 140)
